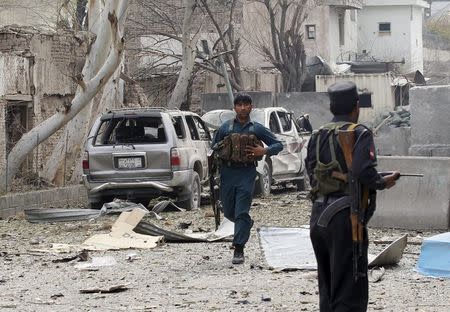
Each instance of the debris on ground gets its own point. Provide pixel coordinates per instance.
(376, 274)
(105, 290)
(391, 254)
(122, 235)
(96, 263)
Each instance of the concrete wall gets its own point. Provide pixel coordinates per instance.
(14, 203)
(415, 203)
(430, 113)
(383, 96)
(212, 101)
(390, 141)
(316, 104)
(405, 38)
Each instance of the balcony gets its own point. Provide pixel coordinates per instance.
(344, 4)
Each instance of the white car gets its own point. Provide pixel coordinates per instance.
(288, 165)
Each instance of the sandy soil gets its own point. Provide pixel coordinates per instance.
(192, 276)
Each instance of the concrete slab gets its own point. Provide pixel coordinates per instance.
(316, 104)
(415, 203)
(391, 141)
(430, 126)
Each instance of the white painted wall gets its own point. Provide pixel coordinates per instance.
(380, 85)
(405, 38)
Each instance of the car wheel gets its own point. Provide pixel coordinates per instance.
(194, 198)
(264, 181)
(300, 184)
(95, 205)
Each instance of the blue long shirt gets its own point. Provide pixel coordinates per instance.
(274, 146)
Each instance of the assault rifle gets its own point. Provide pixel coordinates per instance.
(358, 197)
(213, 186)
(415, 175)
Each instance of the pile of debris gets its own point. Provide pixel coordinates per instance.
(396, 119)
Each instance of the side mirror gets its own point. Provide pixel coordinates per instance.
(304, 124)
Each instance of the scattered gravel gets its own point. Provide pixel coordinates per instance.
(191, 276)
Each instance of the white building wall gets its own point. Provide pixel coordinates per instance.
(416, 39)
(320, 17)
(380, 85)
(393, 46)
(338, 52)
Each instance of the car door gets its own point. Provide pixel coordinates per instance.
(201, 139)
(278, 164)
(292, 144)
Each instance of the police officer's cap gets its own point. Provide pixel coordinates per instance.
(343, 97)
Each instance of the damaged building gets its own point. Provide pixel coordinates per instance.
(36, 79)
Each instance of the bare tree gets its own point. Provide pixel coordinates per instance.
(189, 45)
(227, 42)
(284, 47)
(214, 20)
(99, 67)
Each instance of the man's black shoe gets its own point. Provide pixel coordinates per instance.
(238, 256)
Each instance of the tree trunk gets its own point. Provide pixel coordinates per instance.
(100, 66)
(188, 59)
(77, 129)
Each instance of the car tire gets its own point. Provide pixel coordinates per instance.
(300, 184)
(264, 182)
(193, 201)
(95, 205)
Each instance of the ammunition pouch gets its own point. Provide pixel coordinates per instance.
(232, 148)
(326, 182)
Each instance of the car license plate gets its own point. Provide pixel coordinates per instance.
(129, 162)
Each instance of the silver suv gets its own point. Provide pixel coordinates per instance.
(141, 154)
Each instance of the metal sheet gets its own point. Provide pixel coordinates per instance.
(391, 254)
(60, 215)
(287, 248)
(224, 232)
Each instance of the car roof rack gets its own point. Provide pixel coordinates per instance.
(155, 108)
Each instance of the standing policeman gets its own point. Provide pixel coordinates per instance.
(342, 269)
(238, 172)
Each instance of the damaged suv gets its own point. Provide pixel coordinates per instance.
(141, 154)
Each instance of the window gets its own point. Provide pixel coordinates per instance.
(384, 27)
(285, 120)
(341, 21)
(122, 130)
(273, 123)
(192, 128)
(365, 100)
(202, 130)
(179, 127)
(311, 31)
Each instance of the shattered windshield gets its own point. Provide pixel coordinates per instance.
(137, 130)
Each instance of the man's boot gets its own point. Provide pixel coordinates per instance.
(238, 256)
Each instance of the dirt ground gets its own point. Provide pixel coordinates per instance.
(192, 276)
